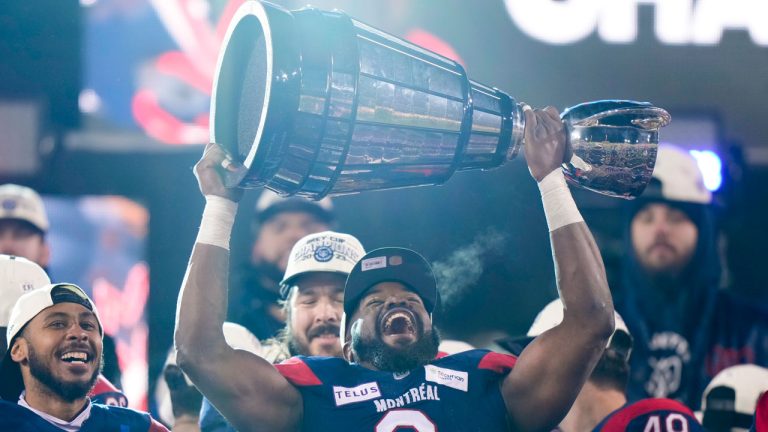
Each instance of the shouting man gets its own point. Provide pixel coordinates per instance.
(390, 344)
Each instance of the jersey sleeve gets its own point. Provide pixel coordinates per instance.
(499, 363)
(298, 372)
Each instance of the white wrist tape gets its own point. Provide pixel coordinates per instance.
(559, 207)
(218, 218)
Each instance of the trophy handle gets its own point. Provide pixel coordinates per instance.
(614, 144)
(611, 144)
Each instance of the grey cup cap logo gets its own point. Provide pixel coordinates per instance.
(9, 204)
(326, 251)
(324, 248)
(323, 254)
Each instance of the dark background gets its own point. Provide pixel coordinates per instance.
(497, 214)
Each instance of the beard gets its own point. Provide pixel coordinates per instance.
(67, 391)
(386, 358)
(295, 347)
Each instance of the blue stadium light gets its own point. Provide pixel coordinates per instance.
(711, 168)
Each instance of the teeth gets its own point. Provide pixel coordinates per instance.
(75, 356)
(390, 319)
(397, 315)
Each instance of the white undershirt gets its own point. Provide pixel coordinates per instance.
(73, 426)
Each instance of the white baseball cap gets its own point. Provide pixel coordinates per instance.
(325, 251)
(239, 337)
(27, 307)
(552, 315)
(33, 302)
(17, 276)
(22, 203)
(730, 399)
(679, 175)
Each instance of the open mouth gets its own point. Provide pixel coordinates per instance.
(76, 357)
(398, 322)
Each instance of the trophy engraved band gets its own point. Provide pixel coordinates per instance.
(316, 103)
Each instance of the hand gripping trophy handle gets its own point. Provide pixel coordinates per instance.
(612, 144)
(316, 103)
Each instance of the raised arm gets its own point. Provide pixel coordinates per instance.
(551, 371)
(245, 388)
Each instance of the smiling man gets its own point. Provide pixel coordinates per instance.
(52, 363)
(394, 380)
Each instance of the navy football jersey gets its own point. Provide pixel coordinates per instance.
(651, 415)
(16, 418)
(461, 393)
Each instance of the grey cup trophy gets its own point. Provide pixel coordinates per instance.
(316, 103)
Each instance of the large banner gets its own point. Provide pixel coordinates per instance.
(149, 63)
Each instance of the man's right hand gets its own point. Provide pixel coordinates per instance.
(545, 141)
(210, 169)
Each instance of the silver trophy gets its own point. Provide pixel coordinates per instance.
(316, 103)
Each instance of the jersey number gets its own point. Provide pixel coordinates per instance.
(405, 419)
(673, 423)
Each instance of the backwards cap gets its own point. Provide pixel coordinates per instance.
(25, 310)
(326, 251)
(24, 204)
(730, 399)
(17, 276)
(677, 177)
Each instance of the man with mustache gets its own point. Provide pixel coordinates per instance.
(278, 223)
(19, 275)
(390, 379)
(52, 363)
(686, 328)
(312, 290)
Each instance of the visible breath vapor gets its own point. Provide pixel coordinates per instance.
(460, 272)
